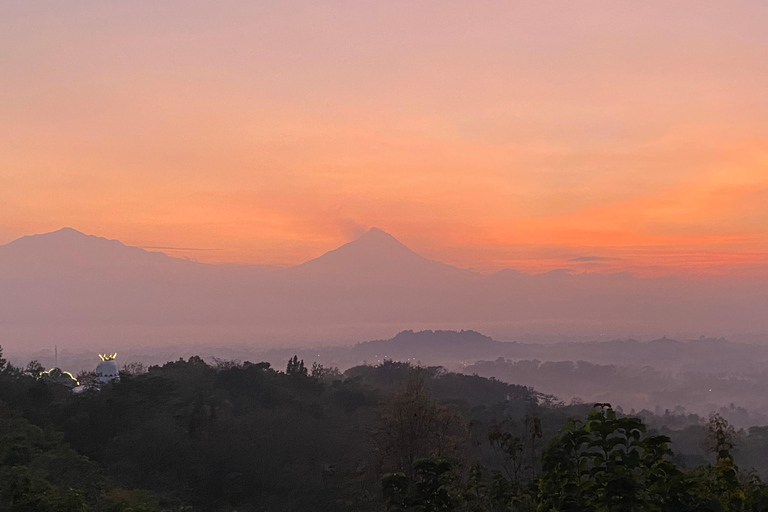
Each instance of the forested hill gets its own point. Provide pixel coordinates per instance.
(234, 436)
(453, 349)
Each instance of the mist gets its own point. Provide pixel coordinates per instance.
(84, 292)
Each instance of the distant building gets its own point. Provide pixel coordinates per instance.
(107, 369)
(59, 376)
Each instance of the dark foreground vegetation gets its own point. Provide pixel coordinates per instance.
(231, 436)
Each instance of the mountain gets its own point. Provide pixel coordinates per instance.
(378, 257)
(74, 288)
(66, 287)
(68, 252)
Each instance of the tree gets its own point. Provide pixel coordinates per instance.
(136, 368)
(509, 447)
(533, 427)
(414, 425)
(723, 479)
(439, 484)
(88, 379)
(296, 367)
(327, 374)
(608, 463)
(34, 368)
(433, 487)
(30, 494)
(720, 440)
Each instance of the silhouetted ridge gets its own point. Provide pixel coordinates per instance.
(68, 238)
(379, 257)
(374, 244)
(67, 252)
(441, 337)
(376, 235)
(63, 235)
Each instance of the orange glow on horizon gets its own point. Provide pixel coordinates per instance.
(603, 138)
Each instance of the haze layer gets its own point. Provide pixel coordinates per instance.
(84, 291)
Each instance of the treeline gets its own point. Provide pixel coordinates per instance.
(227, 436)
(606, 463)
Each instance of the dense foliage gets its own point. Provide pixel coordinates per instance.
(229, 436)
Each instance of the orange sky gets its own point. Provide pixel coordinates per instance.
(600, 136)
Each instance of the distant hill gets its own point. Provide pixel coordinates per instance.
(702, 375)
(458, 349)
(79, 290)
(430, 347)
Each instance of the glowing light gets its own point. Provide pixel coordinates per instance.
(62, 372)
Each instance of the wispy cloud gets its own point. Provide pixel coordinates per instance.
(589, 258)
(165, 248)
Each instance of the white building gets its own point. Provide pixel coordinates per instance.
(107, 369)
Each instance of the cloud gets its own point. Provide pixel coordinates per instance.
(589, 258)
(166, 248)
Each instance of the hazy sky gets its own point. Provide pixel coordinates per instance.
(614, 135)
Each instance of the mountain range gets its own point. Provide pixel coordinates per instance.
(79, 290)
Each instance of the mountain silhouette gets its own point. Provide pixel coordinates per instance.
(69, 287)
(378, 257)
(68, 252)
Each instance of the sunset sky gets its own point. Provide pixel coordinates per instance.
(596, 136)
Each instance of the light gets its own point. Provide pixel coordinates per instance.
(62, 372)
